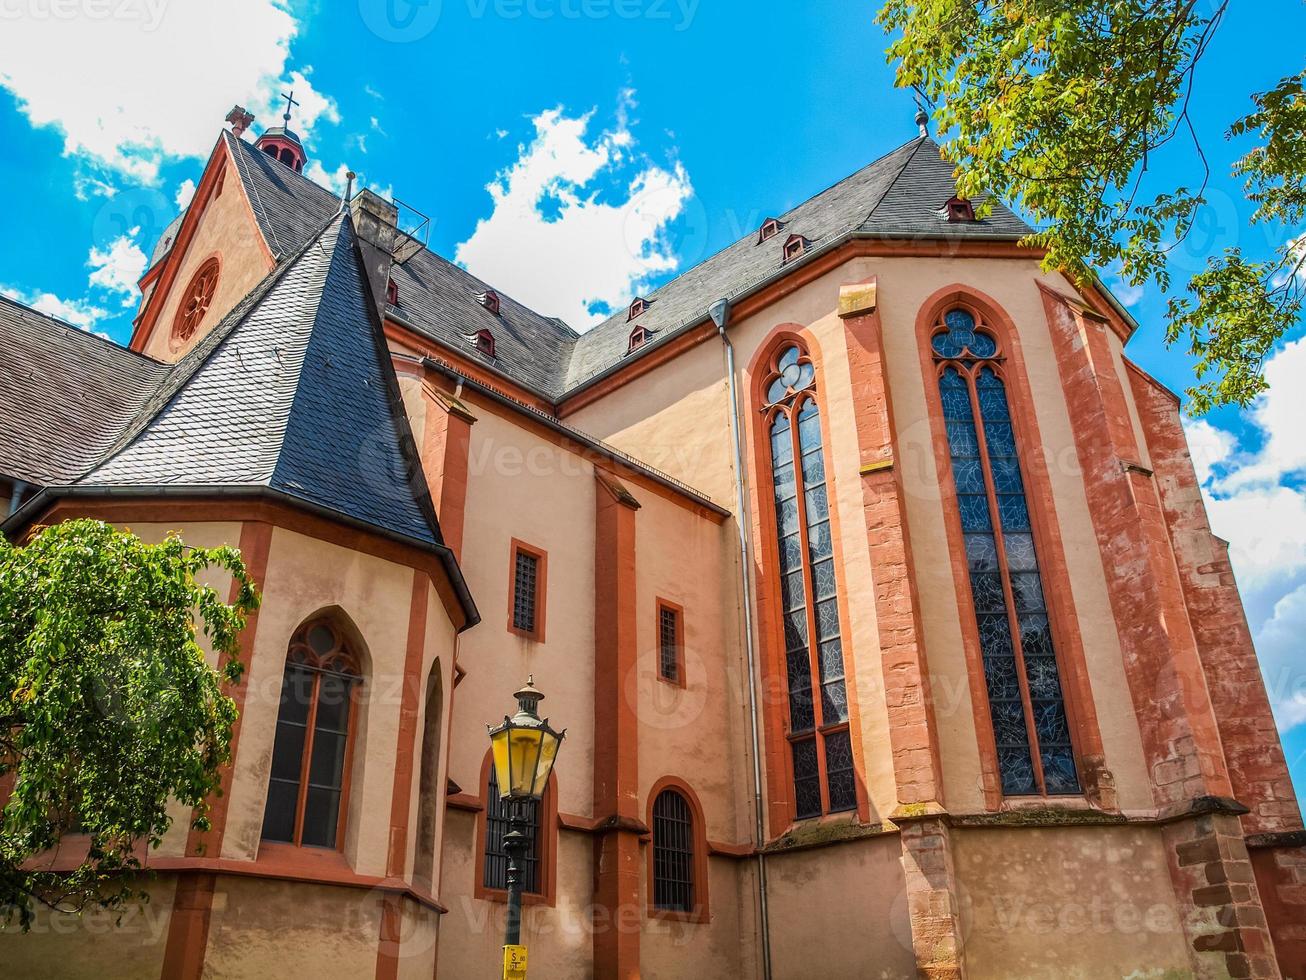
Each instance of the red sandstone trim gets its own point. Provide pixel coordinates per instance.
(541, 588)
(1180, 739)
(616, 756)
(912, 730)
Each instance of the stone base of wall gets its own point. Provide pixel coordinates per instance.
(1223, 918)
(1279, 861)
(932, 902)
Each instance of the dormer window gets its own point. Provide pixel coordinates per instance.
(770, 228)
(638, 338)
(490, 300)
(960, 210)
(795, 245)
(637, 307)
(484, 341)
(392, 293)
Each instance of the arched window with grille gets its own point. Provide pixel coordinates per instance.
(1031, 728)
(673, 853)
(309, 781)
(820, 745)
(498, 814)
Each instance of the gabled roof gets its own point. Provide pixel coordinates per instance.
(288, 207)
(65, 394)
(900, 196)
(291, 392)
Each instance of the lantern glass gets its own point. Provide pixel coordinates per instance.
(549, 743)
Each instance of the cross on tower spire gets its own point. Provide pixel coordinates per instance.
(290, 102)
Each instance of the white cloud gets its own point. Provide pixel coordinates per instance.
(119, 267)
(1256, 503)
(79, 312)
(557, 241)
(1279, 645)
(1208, 445)
(85, 187)
(185, 192)
(152, 80)
(1278, 414)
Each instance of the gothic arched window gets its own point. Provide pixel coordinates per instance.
(1028, 711)
(819, 742)
(311, 750)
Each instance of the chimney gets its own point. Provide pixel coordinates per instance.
(376, 223)
(240, 120)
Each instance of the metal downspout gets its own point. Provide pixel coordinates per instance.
(720, 313)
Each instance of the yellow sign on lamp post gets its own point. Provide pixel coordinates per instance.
(514, 962)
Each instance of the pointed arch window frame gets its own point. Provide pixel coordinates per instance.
(789, 395)
(970, 364)
(340, 661)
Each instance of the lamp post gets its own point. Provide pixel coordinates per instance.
(524, 748)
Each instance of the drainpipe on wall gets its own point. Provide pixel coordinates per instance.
(16, 496)
(720, 313)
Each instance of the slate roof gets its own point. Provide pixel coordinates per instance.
(289, 208)
(65, 394)
(292, 393)
(901, 195)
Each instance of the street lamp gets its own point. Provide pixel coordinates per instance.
(524, 750)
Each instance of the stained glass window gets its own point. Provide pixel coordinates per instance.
(1026, 705)
(820, 746)
(673, 852)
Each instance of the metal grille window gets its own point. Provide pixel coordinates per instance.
(673, 853)
(525, 591)
(498, 812)
(669, 643)
(820, 746)
(310, 751)
(1028, 711)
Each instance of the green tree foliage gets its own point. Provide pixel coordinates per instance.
(109, 709)
(1058, 106)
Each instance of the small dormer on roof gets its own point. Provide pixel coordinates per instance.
(392, 293)
(483, 341)
(959, 210)
(281, 143)
(770, 228)
(794, 247)
(638, 338)
(637, 306)
(490, 300)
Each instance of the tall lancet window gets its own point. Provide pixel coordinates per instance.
(819, 741)
(1028, 710)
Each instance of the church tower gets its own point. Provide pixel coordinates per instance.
(281, 143)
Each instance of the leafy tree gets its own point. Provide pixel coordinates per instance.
(1058, 106)
(108, 708)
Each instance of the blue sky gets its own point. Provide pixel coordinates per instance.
(575, 151)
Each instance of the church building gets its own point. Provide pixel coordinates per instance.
(869, 577)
